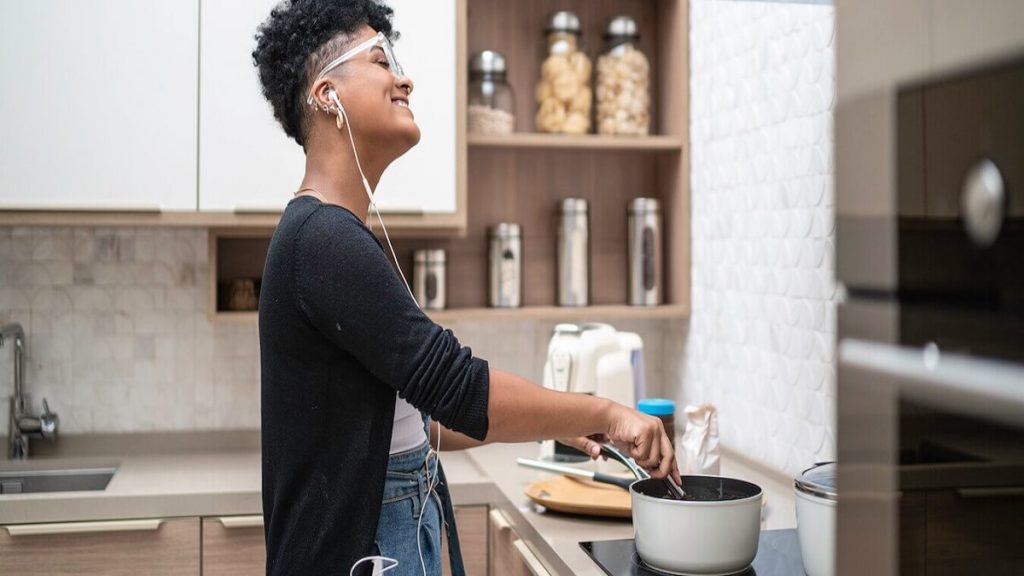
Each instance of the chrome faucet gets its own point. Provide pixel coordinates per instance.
(23, 425)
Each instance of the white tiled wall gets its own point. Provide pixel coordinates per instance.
(761, 338)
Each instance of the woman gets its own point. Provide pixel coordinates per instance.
(350, 365)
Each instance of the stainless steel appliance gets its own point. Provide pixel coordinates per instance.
(573, 253)
(644, 252)
(429, 279)
(931, 351)
(506, 266)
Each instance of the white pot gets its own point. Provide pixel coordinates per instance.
(816, 519)
(697, 537)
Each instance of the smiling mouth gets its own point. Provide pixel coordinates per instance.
(400, 102)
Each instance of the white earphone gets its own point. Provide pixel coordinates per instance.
(332, 95)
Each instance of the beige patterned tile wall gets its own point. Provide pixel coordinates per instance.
(119, 339)
(760, 342)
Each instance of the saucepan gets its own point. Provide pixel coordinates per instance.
(712, 529)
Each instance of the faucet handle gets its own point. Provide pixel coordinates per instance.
(48, 422)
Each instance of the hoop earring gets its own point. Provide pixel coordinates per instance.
(340, 120)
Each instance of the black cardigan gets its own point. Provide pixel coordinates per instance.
(339, 336)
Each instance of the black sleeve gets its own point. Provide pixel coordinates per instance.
(350, 292)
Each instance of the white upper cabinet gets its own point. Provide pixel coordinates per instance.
(246, 163)
(99, 106)
(424, 179)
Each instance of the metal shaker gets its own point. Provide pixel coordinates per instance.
(573, 253)
(428, 279)
(506, 266)
(644, 252)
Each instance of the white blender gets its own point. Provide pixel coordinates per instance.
(592, 359)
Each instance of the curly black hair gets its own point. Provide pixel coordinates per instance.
(297, 39)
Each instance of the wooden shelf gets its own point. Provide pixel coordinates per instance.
(606, 312)
(583, 142)
(586, 313)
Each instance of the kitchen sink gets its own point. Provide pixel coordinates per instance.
(57, 480)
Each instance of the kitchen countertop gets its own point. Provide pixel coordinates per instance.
(227, 482)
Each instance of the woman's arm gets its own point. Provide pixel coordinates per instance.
(521, 411)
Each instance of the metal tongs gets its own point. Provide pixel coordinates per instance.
(608, 449)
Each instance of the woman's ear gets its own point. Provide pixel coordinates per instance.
(320, 95)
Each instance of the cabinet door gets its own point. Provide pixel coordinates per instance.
(234, 546)
(114, 548)
(99, 107)
(246, 162)
(505, 557)
(424, 179)
(472, 524)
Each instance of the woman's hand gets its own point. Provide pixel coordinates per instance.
(591, 446)
(644, 439)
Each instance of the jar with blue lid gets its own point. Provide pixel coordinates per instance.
(663, 409)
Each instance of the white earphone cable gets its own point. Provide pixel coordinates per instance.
(369, 194)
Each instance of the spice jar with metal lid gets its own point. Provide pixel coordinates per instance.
(623, 81)
(563, 94)
(428, 279)
(644, 229)
(573, 253)
(491, 100)
(506, 266)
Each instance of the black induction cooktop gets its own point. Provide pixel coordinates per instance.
(778, 554)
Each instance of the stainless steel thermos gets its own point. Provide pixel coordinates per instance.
(573, 253)
(506, 266)
(428, 279)
(644, 252)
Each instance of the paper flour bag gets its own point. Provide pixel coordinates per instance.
(700, 440)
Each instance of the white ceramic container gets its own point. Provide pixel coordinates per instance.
(816, 503)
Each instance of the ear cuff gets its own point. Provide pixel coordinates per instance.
(330, 108)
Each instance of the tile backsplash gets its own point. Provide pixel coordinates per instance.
(760, 342)
(119, 339)
(117, 330)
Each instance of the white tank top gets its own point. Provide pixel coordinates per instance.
(407, 432)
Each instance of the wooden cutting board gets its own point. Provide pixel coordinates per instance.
(580, 496)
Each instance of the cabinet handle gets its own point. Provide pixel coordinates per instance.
(259, 210)
(253, 521)
(995, 492)
(531, 560)
(147, 525)
(499, 520)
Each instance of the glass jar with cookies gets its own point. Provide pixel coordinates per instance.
(623, 82)
(563, 94)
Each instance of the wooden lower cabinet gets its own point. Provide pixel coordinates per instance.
(211, 546)
(472, 524)
(112, 548)
(234, 546)
(510, 555)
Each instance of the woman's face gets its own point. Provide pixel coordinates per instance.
(376, 101)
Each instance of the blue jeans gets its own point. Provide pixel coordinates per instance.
(407, 497)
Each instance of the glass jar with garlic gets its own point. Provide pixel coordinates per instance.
(623, 82)
(564, 97)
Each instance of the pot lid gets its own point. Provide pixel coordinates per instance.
(819, 480)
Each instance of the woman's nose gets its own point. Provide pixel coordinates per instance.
(405, 83)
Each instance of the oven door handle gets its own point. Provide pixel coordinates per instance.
(991, 389)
